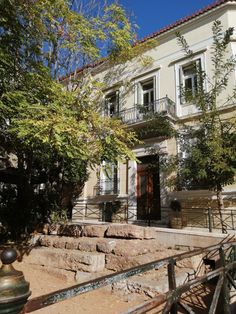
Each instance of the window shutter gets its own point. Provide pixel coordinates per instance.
(154, 89)
(139, 94)
(181, 86)
(117, 106)
(105, 106)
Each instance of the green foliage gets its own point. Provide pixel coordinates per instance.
(158, 126)
(210, 155)
(59, 216)
(56, 131)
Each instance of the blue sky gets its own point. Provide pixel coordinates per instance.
(152, 15)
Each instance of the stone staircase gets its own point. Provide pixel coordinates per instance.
(86, 252)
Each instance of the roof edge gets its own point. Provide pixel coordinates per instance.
(161, 31)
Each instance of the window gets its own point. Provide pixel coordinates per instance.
(188, 80)
(112, 104)
(108, 179)
(187, 84)
(147, 93)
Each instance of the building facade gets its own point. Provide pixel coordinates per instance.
(137, 91)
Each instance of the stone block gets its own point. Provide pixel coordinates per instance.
(46, 241)
(135, 247)
(70, 230)
(59, 242)
(87, 244)
(53, 241)
(118, 263)
(72, 243)
(125, 231)
(106, 245)
(66, 259)
(94, 230)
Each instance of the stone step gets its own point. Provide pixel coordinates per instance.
(73, 260)
(115, 230)
(119, 247)
(151, 283)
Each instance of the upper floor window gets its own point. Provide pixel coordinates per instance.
(112, 104)
(147, 92)
(189, 80)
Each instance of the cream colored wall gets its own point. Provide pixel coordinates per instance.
(198, 34)
(122, 178)
(90, 185)
(166, 55)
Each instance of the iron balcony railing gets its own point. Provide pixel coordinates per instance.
(107, 187)
(140, 113)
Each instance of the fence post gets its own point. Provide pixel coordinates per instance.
(149, 216)
(104, 211)
(232, 219)
(225, 288)
(209, 212)
(172, 283)
(14, 290)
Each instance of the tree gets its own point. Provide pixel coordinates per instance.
(210, 146)
(55, 131)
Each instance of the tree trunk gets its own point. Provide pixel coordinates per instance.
(220, 203)
(24, 196)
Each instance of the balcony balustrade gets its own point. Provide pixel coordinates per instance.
(141, 113)
(107, 187)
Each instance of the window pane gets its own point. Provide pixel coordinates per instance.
(189, 69)
(147, 86)
(146, 99)
(112, 105)
(188, 83)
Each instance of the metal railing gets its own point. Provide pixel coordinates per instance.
(107, 187)
(104, 211)
(206, 218)
(141, 113)
(171, 300)
(209, 218)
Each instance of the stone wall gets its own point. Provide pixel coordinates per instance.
(97, 248)
(85, 252)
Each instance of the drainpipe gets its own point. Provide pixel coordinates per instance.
(127, 190)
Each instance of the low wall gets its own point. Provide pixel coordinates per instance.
(188, 238)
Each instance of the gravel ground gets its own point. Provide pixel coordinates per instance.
(100, 301)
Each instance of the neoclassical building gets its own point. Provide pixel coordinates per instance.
(135, 92)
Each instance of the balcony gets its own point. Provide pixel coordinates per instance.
(140, 113)
(107, 187)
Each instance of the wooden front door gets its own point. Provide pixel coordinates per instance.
(148, 190)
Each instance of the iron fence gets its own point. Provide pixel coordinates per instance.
(206, 218)
(210, 218)
(106, 211)
(171, 300)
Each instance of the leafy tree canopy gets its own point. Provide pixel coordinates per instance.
(209, 147)
(209, 160)
(57, 130)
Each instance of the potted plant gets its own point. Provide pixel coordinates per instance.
(176, 221)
